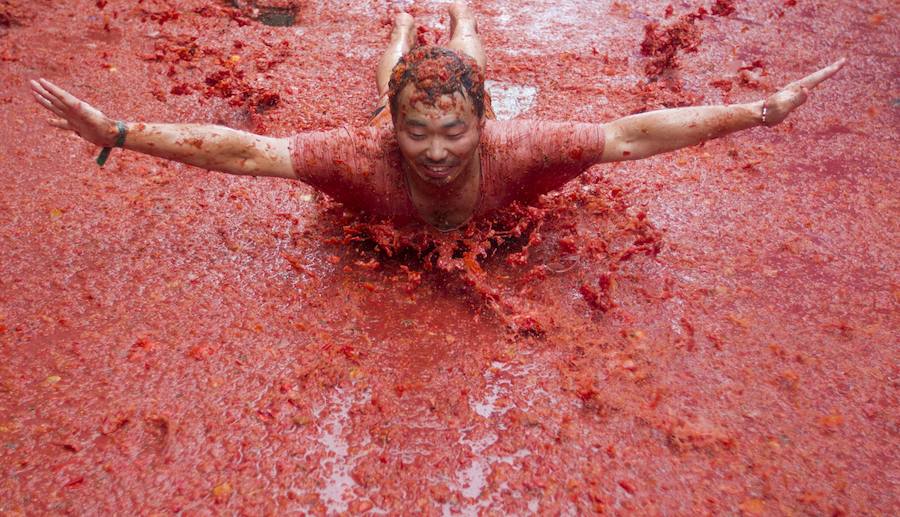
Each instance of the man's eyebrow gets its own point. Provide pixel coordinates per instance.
(415, 122)
(453, 123)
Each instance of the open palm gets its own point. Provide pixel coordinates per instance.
(74, 114)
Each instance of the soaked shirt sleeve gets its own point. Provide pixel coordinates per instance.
(526, 158)
(351, 165)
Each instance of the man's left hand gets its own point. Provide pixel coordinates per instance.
(779, 105)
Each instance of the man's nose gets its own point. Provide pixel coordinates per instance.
(436, 151)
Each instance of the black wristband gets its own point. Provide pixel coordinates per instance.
(120, 142)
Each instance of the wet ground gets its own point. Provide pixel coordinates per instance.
(718, 325)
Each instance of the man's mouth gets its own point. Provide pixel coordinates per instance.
(437, 171)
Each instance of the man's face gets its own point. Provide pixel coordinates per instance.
(439, 141)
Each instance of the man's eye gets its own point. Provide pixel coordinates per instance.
(417, 136)
(455, 136)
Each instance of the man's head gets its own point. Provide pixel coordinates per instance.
(436, 97)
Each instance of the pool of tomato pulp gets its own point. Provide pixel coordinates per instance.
(709, 331)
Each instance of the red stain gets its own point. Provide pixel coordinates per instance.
(658, 337)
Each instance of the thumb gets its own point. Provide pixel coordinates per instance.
(60, 123)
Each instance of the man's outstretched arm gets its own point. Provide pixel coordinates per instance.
(655, 132)
(210, 147)
(215, 148)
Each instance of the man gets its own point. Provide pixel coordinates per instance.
(433, 151)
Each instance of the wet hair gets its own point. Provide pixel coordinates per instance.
(437, 71)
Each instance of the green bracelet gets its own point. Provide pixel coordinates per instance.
(120, 142)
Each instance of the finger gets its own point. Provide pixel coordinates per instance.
(47, 104)
(49, 98)
(40, 90)
(61, 123)
(42, 101)
(65, 97)
(813, 79)
(34, 85)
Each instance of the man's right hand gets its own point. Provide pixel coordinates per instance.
(210, 147)
(74, 115)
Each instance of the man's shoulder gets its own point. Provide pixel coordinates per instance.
(358, 166)
(501, 130)
(529, 125)
(546, 135)
(348, 143)
(360, 134)
(526, 158)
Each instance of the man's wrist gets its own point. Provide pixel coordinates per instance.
(759, 112)
(110, 133)
(121, 133)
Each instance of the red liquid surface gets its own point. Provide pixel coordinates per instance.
(712, 331)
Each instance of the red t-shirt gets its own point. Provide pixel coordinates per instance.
(520, 160)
